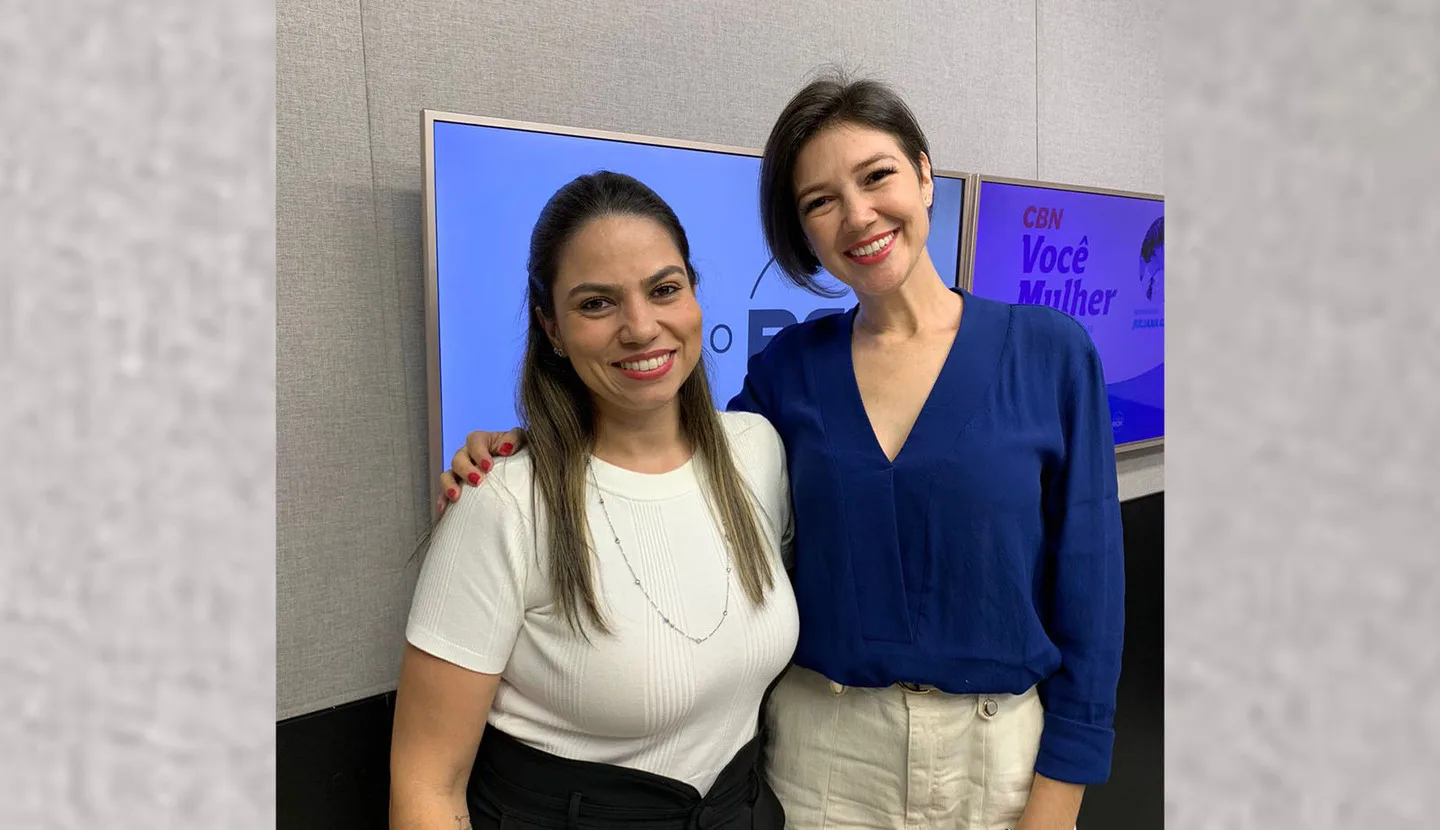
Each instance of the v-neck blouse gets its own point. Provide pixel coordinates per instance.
(986, 557)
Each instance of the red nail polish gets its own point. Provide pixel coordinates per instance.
(485, 466)
(452, 494)
(474, 478)
(507, 448)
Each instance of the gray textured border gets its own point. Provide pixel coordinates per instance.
(137, 370)
(136, 362)
(1301, 553)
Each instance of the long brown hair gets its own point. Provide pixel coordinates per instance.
(558, 413)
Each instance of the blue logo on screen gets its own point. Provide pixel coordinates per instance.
(764, 323)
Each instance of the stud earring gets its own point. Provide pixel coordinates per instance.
(558, 352)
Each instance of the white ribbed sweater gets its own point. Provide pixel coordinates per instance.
(644, 697)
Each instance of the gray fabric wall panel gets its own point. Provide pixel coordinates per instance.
(339, 528)
(352, 411)
(711, 72)
(1102, 93)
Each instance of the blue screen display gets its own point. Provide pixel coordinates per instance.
(1099, 258)
(490, 184)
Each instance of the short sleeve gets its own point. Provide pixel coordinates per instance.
(470, 598)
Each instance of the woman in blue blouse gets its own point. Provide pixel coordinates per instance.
(958, 564)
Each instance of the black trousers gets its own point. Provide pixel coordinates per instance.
(518, 787)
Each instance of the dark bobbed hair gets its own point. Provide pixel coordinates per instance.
(833, 98)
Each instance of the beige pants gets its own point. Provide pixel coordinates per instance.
(843, 757)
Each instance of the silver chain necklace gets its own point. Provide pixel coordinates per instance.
(663, 616)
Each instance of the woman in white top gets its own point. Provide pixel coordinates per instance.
(615, 604)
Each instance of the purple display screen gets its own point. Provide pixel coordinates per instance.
(1099, 258)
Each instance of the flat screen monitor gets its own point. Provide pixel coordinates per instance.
(485, 182)
(1097, 255)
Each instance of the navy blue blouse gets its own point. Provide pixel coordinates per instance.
(987, 557)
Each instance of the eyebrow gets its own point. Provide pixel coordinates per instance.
(609, 288)
(882, 155)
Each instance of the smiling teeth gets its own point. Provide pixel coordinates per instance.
(873, 247)
(645, 365)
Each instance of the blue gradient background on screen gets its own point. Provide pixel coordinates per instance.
(490, 185)
(1131, 335)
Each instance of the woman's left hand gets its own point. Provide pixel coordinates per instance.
(1053, 805)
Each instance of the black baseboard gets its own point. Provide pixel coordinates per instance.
(1135, 795)
(332, 766)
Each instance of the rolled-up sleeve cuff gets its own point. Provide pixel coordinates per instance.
(1074, 752)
